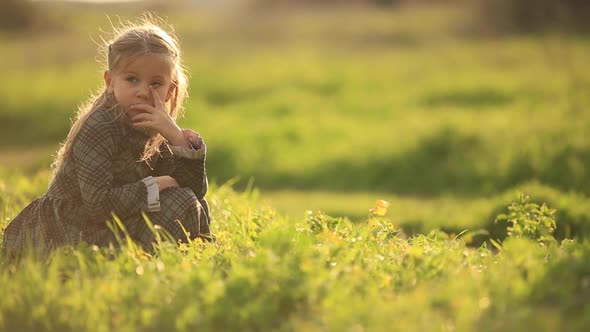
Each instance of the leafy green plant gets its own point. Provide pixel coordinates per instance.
(528, 219)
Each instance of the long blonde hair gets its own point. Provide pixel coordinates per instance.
(131, 40)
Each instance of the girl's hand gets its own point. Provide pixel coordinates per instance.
(156, 118)
(166, 181)
(194, 138)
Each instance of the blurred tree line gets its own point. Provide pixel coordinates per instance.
(500, 15)
(17, 15)
(536, 15)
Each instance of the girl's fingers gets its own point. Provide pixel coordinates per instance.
(190, 131)
(143, 107)
(198, 143)
(175, 182)
(158, 103)
(189, 134)
(143, 124)
(194, 138)
(142, 117)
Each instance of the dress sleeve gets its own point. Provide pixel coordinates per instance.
(187, 166)
(93, 151)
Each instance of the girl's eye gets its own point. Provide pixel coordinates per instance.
(131, 79)
(156, 84)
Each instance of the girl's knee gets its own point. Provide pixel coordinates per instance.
(177, 194)
(179, 199)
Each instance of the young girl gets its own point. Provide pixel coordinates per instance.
(124, 155)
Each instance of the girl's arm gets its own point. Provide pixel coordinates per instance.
(187, 166)
(190, 169)
(92, 152)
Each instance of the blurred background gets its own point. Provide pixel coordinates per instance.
(442, 107)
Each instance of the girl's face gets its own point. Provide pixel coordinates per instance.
(131, 82)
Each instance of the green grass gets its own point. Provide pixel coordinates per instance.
(319, 273)
(328, 110)
(306, 113)
(432, 114)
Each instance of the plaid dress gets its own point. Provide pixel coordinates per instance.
(103, 177)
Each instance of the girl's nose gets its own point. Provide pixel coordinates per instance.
(143, 91)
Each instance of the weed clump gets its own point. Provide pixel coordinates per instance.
(530, 220)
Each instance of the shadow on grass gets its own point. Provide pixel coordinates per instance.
(474, 99)
(447, 162)
(35, 125)
(222, 96)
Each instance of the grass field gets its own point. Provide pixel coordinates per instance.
(318, 274)
(303, 113)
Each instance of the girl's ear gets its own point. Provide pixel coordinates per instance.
(108, 80)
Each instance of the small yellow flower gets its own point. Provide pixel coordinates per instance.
(329, 237)
(139, 270)
(380, 208)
